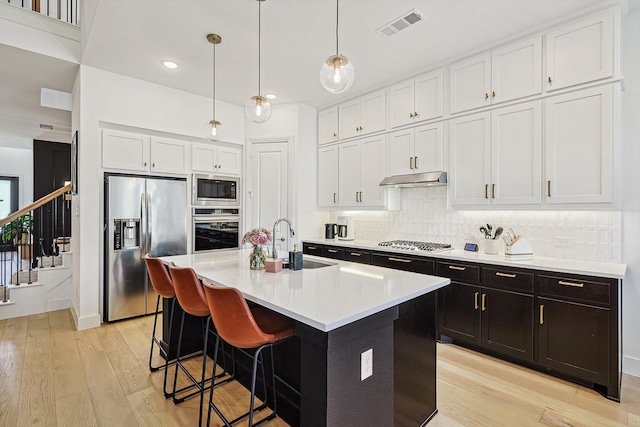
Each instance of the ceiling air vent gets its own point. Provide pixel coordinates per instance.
(401, 23)
(43, 126)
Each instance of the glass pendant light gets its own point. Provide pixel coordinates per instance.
(258, 108)
(337, 72)
(214, 125)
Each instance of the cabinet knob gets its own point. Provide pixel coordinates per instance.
(493, 94)
(415, 114)
(549, 79)
(411, 115)
(153, 165)
(486, 96)
(145, 163)
(360, 128)
(335, 134)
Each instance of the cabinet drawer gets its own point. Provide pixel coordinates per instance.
(332, 252)
(363, 257)
(312, 249)
(575, 288)
(510, 280)
(461, 272)
(402, 262)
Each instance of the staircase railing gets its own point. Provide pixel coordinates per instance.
(34, 233)
(63, 10)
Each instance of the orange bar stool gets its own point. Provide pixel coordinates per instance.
(191, 297)
(162, 284)
(246, 328)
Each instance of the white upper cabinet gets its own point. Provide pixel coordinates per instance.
(580, 53)
(362, 116)
(216, 159)
(417, 100)
(328, 125)
(141, 153)
(328, 177)
(579, 147)
(496, 156)
(126, 151)
(509, 73)
(415, 150)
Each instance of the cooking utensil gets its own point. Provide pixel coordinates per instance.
(489, 229)
(498, 233)
(484, 231)
(507, 241)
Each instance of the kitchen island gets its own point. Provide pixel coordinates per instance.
(342, 310)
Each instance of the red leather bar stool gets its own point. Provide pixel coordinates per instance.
(256, 328)
(162, 284)
(191, 298)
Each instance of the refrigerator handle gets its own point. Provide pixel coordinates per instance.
(143, 225)
(149, 219)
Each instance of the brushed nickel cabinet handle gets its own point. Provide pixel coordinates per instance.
(333, 251)
(399, 260)
(355, 254)
(361, 197)
(484, 297)
(312, 247)
(153, 165)
(145, 163)
(542, 314)
(410, 162)
(511, 276)
(575, 285)
(548, 188)
(475, 300)
(455, 267)
(493, 191)
(415, 162)
(486, 191)
(334, 197)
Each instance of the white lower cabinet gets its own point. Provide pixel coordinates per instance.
(415, 150)
(361, 166)
(496, 157)
(579, 146)
(328, 177)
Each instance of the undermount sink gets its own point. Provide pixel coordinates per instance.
(309, 264)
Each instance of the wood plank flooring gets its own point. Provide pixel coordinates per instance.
(52, 375)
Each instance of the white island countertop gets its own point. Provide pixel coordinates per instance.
(611, 270)
(325, 298)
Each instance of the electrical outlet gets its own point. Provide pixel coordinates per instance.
(366, 364)
(563, 242)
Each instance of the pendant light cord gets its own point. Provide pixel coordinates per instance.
(337, 16)
(214, 82)
(259, 46)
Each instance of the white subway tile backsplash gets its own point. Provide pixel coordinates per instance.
(585, 235)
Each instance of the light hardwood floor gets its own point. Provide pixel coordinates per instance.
(52, 375)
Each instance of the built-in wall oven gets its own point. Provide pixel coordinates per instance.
(216, 228)
(215, 190)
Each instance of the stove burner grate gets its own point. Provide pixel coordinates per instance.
(412, 245)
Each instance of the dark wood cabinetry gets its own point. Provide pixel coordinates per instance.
(563, 324)
(331, 252)
(311, 249)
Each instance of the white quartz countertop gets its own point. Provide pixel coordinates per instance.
(561, 265)
(325, 298)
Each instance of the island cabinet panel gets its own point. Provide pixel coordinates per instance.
(414, 264)
(458, 314)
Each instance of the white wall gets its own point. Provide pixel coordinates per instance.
(19, 162)
(100, 96)
(631, 191)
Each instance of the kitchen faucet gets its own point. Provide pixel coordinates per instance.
(291, 230)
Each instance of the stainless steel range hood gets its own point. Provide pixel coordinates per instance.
(425, 179)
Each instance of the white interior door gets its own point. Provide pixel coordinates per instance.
(270, 189)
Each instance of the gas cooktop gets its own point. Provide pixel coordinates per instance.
(411, 245)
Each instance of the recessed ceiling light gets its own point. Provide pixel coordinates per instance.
(270, 95)
(170, 64)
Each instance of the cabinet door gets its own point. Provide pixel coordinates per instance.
(229, 160)
(516, 159)
(580, 53)
(429, 96)
(401, 98)
(372, 112)
(428, 148)
(168, 156)
(126, 151)
(328, 125)
(203, 158)
(579, 147)
(400, 152)
(516, 70)
(470, 146)
(459, 312)
(470, 84)
(328, 177)
(573, 338)
(372, 167)
(349, 119)
(349, 173)
(507, 323)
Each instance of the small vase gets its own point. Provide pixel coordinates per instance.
(257, 258)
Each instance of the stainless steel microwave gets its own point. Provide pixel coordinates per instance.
(215, 190)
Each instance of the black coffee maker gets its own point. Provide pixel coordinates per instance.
(330, 231)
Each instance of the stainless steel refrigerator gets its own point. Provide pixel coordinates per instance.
(141, 215)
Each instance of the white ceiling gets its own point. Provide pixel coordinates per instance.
(132, 37)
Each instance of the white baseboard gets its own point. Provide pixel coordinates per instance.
(87, 322)
(631, 366)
